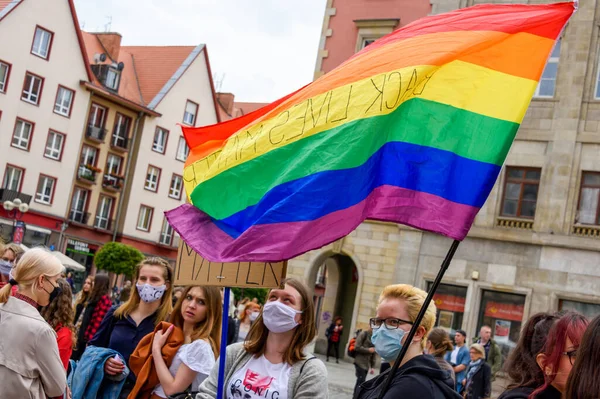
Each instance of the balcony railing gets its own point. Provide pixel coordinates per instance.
(96, 134)
(11, 195)
(86, 174)
(522, 224)
(79, 216)
(112, 182)
(103, 224)
(586, 230)
(119, 142)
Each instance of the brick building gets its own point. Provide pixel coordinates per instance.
(535, 245)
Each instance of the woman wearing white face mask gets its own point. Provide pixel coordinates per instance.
(123, 328)
(419, 376)
(248, 316)
(272, 362)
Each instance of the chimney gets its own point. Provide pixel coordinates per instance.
(111, 42)
(226, 101)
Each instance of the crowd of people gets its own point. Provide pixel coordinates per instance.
(160, 341)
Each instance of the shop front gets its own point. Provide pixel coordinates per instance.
(450, 303)
(81, 252)
(503, 312)
(26, 234)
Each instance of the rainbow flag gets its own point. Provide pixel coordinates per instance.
(413, 129)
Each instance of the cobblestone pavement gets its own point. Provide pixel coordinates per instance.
(342, 379)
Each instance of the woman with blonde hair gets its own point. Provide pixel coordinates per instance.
(198, 314)
(248, 316)
(418, 376)
(124, 327)
(273, 359)
(9, 255)
(30, 365)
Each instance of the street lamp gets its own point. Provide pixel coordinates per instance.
(16, 209)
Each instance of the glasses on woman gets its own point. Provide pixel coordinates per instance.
(390, 323)
(572, 355)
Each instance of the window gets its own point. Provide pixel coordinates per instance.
(112, 79)
(547, 85)
(4, 74)
(182, 150)
(89, 155)
(121, 131)
(366, 42)
(590, 310)
(145, 218)
(152, 178)
(32, 88)
(97, 116)
(45, 190)
(42, 40)
(113, 164)
(589, 198)
(450, 303)
(176, 185)
(189, 116)
(79, 205)
(166, 233)
(54, 145)
(520, 192)
(103, 213)
(64, 101)
(22, 134)
(13, 178)
(160, 140)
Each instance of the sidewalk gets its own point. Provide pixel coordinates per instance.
(342, 379)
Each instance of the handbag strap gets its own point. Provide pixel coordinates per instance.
(307, 360)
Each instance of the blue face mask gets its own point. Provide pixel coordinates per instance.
(5, 267)
(388, 343)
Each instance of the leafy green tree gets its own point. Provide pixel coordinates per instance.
(118, 258)
(259, 293)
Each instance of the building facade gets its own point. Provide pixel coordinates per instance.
(42, 114)
(534, 246)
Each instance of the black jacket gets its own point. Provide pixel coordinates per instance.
(420, 378)
(523, 393)
(480, 385)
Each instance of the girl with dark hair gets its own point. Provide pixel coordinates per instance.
(522, 369)
(59, 314)
(583, 381)
(334, 336)
(83, 297)
(558, 356)
(438, 344)
(90, 318)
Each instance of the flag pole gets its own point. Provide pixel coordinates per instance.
(420, 316)
(223, 350)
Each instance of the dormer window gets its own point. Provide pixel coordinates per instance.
(112, 79)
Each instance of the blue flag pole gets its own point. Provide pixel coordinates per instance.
(223, 351)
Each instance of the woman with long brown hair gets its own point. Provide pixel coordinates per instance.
(124, 327)
(82, 298)
(59, 314)
(583, 381)
(438, 344)
(273, 358)
(198, 314)
(97, 307)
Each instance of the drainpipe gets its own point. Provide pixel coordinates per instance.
(126, 175)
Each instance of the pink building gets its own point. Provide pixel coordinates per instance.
(350, 25)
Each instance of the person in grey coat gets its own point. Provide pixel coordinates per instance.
(364, 360)
(272, 361)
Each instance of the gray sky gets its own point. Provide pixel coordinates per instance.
(262, 49)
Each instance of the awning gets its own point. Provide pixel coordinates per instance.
(68, 263)
(38, 229)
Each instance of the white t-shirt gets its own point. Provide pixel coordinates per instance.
(260, 379)
(454, 355)
(198, 356)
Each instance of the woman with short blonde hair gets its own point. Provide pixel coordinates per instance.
(418, 376)
(30, 366)
(273, 354)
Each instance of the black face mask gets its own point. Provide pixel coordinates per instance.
(55, 292)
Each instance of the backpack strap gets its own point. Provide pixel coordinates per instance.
(306, 361)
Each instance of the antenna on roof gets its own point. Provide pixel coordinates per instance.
(108, 25)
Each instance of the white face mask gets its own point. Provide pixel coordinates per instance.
(254, 316)
(279, 318)
(149, 293)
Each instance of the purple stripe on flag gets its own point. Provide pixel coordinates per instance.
(281, 241)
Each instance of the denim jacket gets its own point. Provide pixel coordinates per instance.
(464, 359)
(86, 379)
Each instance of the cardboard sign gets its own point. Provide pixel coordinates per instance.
(192, 269)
